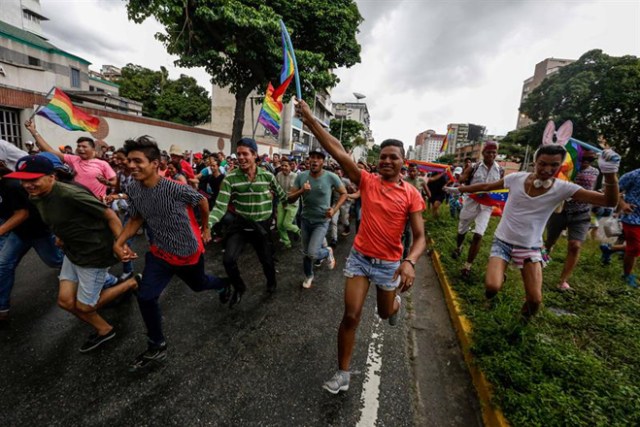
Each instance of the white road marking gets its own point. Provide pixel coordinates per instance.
(371, 387)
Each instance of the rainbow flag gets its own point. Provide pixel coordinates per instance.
(61, 111)
(491, 198)
(445, 141)
(270, 114)
(572, 161)
(431, 167)
(288, 69)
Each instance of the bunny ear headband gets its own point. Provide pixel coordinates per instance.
(563, 134)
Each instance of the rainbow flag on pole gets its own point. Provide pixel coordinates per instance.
(270, 114)
(62, 112)
(572, 161)
(445, 141)
(491, 198)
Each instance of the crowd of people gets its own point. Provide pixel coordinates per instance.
(80, 209)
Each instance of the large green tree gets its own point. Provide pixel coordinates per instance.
(347, 131)
(238, 41)
(180, 101)
(600, 94)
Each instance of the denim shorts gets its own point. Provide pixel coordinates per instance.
(379, 272)
(90, 280)
(518, 254)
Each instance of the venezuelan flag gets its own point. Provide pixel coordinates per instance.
(491, 198)
(61, 111)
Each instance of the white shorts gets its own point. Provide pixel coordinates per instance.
(473, 211)
(90, 281)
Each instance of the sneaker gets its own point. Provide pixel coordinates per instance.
(96, 341)
(307, 282)
(631, 280)
(564, 287)
(125, 276)
(605, 258)
(393, 319)
(339, 382)
(152, 355)
(331, 259)
(346, 231)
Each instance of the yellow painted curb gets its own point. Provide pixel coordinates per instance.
(492, 416)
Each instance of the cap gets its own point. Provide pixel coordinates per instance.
(457, 171)
(32, 167)
(318, 151)
(197, 156)
(249, 143)
(176, 150)
(55, 160)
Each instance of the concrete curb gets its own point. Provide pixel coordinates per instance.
(491, 415)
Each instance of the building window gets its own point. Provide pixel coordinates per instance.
(34, 61)
(75, 77)
(92, 88)
(10, 126)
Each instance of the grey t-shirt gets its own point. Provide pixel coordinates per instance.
(316, 201)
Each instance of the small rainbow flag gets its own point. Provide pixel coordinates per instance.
(445, 141)
(61, 111)
(288, 68)
(572, 161)
(270, 114)
(491, 198)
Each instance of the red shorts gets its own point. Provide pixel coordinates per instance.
(632, 237)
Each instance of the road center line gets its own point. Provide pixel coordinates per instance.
(371, 387)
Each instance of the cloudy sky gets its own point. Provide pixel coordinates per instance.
(425, 63)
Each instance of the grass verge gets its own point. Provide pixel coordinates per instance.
(578, 362)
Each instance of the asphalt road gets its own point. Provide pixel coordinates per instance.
(261, 363)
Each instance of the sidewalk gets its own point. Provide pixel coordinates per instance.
(445, 395)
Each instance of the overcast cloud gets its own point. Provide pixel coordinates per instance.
(424, 63)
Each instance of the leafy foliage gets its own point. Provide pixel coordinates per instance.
(347, 130)
(180, 101)
(580, 367)
(238, 41)
(600, 94)
(447, 159)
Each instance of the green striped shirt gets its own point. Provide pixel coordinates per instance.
(251, 199)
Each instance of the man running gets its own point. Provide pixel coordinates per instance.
(316, 187)
(532, 199)
(249, 188)
(85, 229)
(177, 247)
(575, 217)
(481, 173)
(286, 211)
(375, 258)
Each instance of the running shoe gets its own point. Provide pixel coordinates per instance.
(393, 319)
(307, 282)
(94, 341)
(151, 356)
(331, 259)
(631, 280)
(339, 382)
(605, 258)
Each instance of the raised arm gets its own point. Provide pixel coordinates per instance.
(42, 144)
(328, 142)
(488, 186)
(608, 163)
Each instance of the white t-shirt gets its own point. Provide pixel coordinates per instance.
(524, 217)
(10, 154)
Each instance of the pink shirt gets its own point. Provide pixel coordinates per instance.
(88, 171)
(385, 210)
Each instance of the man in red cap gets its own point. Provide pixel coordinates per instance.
(481, 173)
(86, 230)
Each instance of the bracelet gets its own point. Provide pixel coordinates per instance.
(413, 264)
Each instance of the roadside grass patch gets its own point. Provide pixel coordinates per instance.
(577, 363)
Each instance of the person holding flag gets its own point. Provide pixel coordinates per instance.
(532, 199)
(481, 173)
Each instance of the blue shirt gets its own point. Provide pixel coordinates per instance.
(630, 184)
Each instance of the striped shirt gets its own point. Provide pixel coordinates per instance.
(251, 199)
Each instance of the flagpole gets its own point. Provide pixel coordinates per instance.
(293, 57)
(40, 106)
(585, 145)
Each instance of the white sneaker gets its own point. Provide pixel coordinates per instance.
(307, 282)
(331, 259)
(339, 382)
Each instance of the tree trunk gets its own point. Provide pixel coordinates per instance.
(238, 118)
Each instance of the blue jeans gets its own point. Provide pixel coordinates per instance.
(313, 234)
(12, 251)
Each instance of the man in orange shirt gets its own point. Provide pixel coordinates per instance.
(376, 256)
